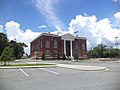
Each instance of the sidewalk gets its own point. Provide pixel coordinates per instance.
(83, 67)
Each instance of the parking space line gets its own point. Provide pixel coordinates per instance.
(23, 72)
(49, 71)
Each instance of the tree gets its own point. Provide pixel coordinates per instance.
(58, 56)
(43, 56)
(63, 57)
(18, 48)
(102, 51)
(3, 42)
(6, 55)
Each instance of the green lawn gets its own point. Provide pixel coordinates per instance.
(41, 64)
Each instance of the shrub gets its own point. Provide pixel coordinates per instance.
(58, 56)
(43, 56)
(63, 57)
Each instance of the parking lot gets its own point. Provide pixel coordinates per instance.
(61, 78)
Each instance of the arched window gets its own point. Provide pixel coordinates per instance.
(55, 44)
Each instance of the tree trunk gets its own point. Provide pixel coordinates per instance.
(4, 63)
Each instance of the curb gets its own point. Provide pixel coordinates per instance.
(83, 68)
(16, 67)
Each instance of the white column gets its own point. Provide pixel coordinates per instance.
(65, 47)
(71, 47)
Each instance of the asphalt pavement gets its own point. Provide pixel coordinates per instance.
(58, 78)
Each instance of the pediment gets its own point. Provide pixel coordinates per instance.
(68, 37)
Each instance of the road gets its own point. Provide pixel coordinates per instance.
(61, 78)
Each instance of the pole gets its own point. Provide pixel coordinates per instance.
(117, 46)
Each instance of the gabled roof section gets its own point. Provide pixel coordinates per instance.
(67, 37)
(45, 34)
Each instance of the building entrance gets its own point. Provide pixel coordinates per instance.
(68, 51)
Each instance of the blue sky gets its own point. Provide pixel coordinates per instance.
(20, 18)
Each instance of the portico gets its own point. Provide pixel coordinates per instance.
(68, 39)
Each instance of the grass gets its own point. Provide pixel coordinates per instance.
(42, 64)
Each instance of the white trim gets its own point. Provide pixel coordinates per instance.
(68, 37)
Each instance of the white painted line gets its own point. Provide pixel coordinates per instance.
(107, 69)
(23, 72)
(49, 71)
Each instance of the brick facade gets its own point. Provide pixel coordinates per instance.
(51, 45)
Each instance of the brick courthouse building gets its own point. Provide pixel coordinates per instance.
(52, 45)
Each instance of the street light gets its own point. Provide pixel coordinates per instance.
(76, 33)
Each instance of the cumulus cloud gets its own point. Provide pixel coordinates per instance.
(47, 9)
(1, 28)
(117, 18)
(117, 1)
(95, 31)
(13, 31)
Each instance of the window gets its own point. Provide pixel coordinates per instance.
(36, 54)
(55, 53)
(47, 53)
(47, 44)
(55, 44)
(83, 46)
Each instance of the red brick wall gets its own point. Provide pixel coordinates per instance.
(38, 45)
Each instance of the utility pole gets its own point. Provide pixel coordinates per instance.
(117, 46)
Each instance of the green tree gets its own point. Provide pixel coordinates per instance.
(58, 56)
(43, 56)
(18, 48)
(93, 54)
(102, 51)
(6, 55)
(63, 57)
(3, 42)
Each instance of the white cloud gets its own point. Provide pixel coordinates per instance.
(46, 8)
(116, 1)
(42, 26)
(117, 18)
(95, 31)
(13, 31)
(1, 28)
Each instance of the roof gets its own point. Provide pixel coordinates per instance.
(63, 37)
(45, 34)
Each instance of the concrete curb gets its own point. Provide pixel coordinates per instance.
(16, 67)
(83, 67)
(75, 67)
